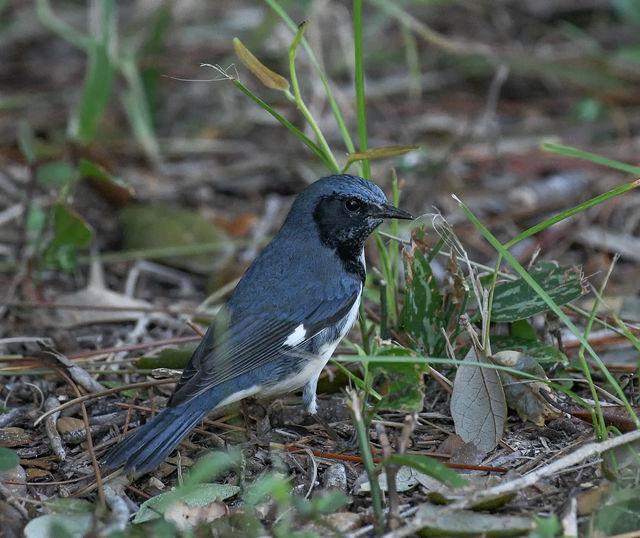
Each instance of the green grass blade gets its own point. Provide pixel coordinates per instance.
(592, 157)
(573, 211)
(293, 49)
(60, 27)
(344, 131)
(305, 139)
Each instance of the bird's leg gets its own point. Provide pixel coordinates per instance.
(311, 403)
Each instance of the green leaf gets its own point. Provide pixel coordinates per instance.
(598, 159)
(199, 495)
(69, 505)
(95, 93)
(546, 527)
(60, 526)
(543, 354)
(468, 523)
(330, 501)
(154, 226)
(430, 308)
(70, 228)
(620, 514)
(8, 458)
(271, 485)
(523, 330)
(478, 405)
(35, 219)
(428, 466)
(56, 173)
(404, 385)
(26, 141)
(91, 169)
(71, 233)
(516, 300)
(175, 358)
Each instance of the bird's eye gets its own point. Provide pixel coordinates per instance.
(352, 204)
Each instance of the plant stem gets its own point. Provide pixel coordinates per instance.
(333, 164)
(355, 405)
(360, 96)
(307, 141)
(332, 102)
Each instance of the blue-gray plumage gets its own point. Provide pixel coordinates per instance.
(283, 321)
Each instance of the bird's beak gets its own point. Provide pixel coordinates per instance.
(387, 211)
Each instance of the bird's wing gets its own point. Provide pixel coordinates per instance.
(256, 339)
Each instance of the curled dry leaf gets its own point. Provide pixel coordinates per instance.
(269, 78)
(523, 395)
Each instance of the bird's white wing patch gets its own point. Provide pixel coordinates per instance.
(296, 337)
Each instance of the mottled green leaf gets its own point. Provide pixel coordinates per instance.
(516, 300)
(543, 354)
(422, 303)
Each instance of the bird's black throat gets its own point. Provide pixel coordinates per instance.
(344, 231)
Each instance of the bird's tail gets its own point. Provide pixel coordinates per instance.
(150, 444)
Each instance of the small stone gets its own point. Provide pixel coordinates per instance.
(335, 477)
(69, 424)
(15, 474)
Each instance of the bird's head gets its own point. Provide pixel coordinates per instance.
(345, 210)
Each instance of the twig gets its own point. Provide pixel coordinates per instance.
(485, 495)
(85, 418)
(391, 471)
(106, 392)
(52, 432)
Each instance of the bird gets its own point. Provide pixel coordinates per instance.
(283, 321)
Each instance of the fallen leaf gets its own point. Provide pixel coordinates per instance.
(188, 517)
(523, 394)
(478, 405)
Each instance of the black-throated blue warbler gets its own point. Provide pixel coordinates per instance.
(283, 321)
